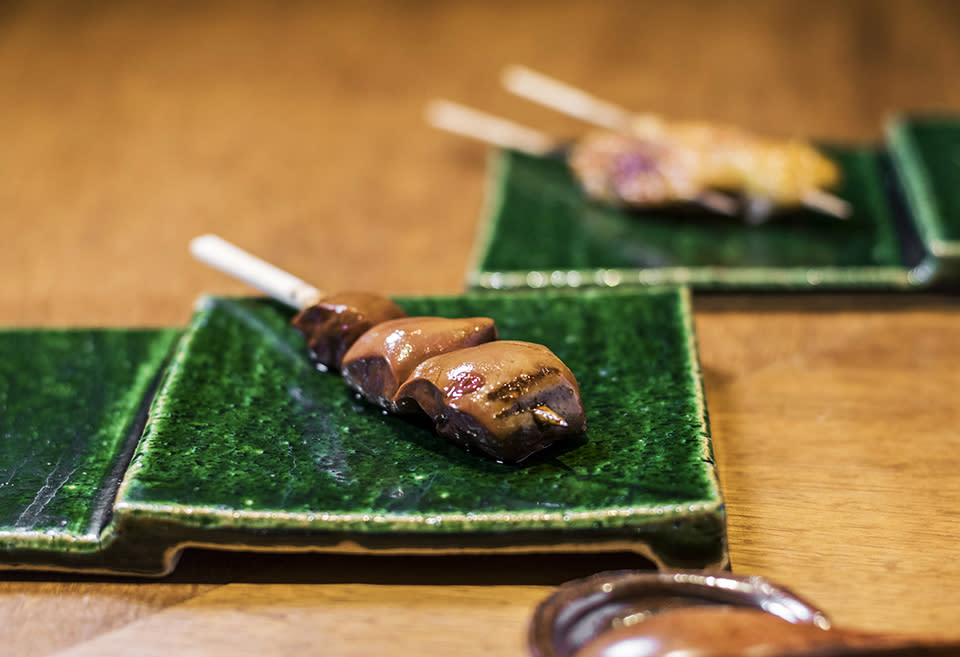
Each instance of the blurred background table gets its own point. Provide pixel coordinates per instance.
(295, 130)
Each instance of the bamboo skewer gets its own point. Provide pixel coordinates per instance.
(567, 99)
(269, 279)
(468, 122)
(431, 358)
(828, 203)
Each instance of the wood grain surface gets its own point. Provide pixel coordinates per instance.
(295, 130)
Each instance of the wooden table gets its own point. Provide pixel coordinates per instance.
(296, 130)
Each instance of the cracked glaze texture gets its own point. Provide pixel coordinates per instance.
(69, 400)
(246, 435)
(538, 196)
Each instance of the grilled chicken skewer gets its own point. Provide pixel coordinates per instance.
(664, 183)
(770, 172)
(509, 399)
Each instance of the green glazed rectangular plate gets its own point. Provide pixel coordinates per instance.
(926, 153)
(72, 407)
(540, 231)
(248, 446)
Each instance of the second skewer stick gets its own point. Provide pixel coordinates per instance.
(496, 131)
(572, 101)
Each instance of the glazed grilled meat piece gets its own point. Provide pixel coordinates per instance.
(383, 357)
(334, 323)
(624, 170)
(508, 398)
(655, 167)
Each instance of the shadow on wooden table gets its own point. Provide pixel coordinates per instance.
(221, 567)
(763, 302)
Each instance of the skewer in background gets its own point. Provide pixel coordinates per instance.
(665, 184)
(771, 172)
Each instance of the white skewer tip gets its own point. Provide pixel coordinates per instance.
(828, 203)
(234, 261)
(494, 130)
(567, 99)
(719, 202)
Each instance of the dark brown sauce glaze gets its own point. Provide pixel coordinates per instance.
(334, 323)
(508, 398)
(383, 357)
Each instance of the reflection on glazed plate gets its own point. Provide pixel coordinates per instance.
(248, 446)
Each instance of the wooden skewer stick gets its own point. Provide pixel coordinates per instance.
(234, 261)
(569, 100)
(718, 202)
(564, 98)
(830, 204)
(468, 122)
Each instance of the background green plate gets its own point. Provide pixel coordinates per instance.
(926, 153)
(541, 232)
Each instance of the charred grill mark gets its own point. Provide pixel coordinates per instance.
(528, 407)
(513, 410)
(516, 387)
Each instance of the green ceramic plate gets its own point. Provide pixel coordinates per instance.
(72, 406)
(926, 152)
(248, 446)
(541, 232)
